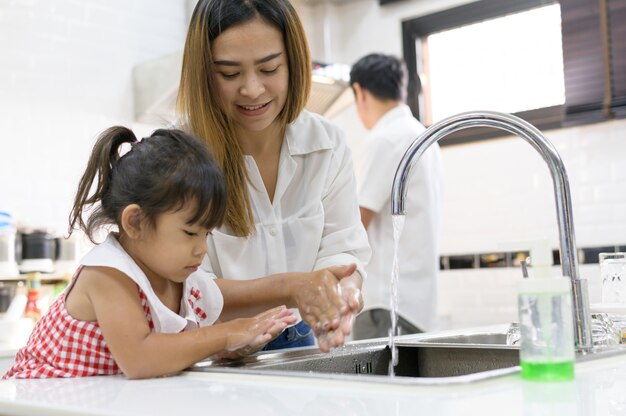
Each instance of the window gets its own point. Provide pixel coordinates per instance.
(553, 63)
(469, 68)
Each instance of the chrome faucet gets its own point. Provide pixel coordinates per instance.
(521, 128)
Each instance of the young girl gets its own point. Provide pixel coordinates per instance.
(134, 305)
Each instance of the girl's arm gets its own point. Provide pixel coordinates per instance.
(141, 353)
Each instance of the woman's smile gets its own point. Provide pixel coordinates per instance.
(254, 110)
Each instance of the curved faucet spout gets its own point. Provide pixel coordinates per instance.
(521, 128)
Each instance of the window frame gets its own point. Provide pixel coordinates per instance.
(592, 91)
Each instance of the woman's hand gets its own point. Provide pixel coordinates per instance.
(249, 335)
(318, 297)
(328, 305)
(350, 289)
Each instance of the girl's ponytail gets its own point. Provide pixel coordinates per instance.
(168, 171)
(103, 157)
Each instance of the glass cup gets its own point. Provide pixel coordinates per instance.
(603, 330)
(513, 334)
(613, 274)
(619, 321)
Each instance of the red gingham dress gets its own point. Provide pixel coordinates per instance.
(61, 346)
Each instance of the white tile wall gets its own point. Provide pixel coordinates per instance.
(475, 297)
(65, 75)
(509, 198)
(515, 181)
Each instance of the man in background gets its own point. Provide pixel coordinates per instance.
(380, 86)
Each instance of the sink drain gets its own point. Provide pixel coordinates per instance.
(363, 368)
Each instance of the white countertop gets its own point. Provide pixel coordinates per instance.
(13, 336)
(599, 389)
(9, 349)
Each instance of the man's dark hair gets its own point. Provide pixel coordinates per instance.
(385, 76)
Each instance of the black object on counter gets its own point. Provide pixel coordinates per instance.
(39, 245)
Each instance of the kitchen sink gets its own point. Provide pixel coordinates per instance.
(413, 361)
(487, 339)
(448, 357)
(422, 359)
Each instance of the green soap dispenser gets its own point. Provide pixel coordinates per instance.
(546, 329)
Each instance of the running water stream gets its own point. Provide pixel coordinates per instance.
(398, 225)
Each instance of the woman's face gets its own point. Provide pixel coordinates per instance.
(251, 73)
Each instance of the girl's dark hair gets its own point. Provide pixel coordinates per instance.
(161, 173)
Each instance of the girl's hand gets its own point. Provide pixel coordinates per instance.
(249, 335)
(330, 339)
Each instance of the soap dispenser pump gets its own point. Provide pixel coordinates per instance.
(541, 259)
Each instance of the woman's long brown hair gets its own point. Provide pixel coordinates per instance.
(198, 102)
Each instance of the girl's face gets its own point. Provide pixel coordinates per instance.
(251, 73)
(172, 249)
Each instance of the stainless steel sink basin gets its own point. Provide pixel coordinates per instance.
(421, 360)
(413, 361)
(490, 338)
(436, 358)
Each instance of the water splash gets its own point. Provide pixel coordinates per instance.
(398, 226)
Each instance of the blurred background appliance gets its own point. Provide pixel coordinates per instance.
(39, 251)
(8, 244)
(68, 254)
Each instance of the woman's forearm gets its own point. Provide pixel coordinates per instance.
(249, 297)
(317, 294)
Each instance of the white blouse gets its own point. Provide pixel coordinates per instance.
(313, 221)
(418, 247)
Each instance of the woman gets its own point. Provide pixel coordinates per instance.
(292, 202)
